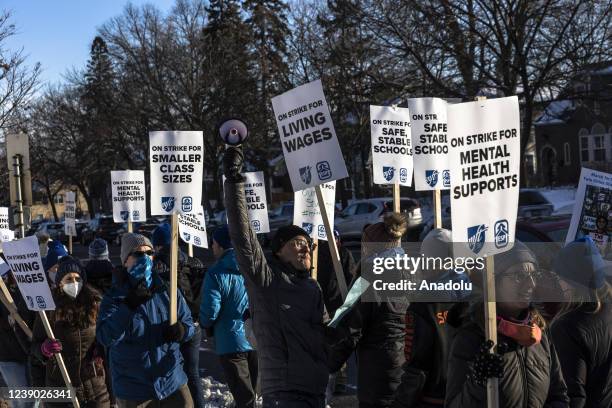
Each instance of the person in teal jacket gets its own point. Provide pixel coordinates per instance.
(223, 312)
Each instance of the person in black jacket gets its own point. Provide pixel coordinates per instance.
(99, 268)
(375, 329)
(582, 332)
(286, 304)
(525, 360)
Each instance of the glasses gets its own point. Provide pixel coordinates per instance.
(302, 243)
(522, 278)
(138, 254)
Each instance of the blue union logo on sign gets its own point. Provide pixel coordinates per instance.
(431, 177)
(305, 174)
(388, 172)
(167, 203)
(476, 237)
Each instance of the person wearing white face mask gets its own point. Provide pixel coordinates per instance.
(74, 325)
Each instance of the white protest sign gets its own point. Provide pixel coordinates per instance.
(23, 256)
(176, 159)
(70, 213)
(306, 211)
(430, 141)
(5, 229)
(4, 267)
(592, 214)
(129, 195)
(192, 228)
(391, 145)
(257, 206)
(310, 146)
(484, 161)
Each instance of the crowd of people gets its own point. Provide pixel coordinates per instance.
(269, 320)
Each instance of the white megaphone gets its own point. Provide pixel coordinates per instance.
(233, 132)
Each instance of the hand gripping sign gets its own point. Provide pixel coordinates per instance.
(129, 196)
(310, 146)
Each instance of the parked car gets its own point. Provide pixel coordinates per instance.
(55, 231)
(102, 226)
(143, 228)
(532, 203)
(358, 215)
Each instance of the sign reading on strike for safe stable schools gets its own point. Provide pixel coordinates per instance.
(70, 214)
(129, 195)
(306, 211)
(176, 160)
(256, 203)
(311, 149)
(484, 160)
(430, 140)
(192, 228)
(391, 145)
(23, 256)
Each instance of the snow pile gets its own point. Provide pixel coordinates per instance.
(561, 198)
(218, 395)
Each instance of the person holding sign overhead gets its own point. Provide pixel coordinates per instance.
(285, 302)
(145, 358)
(74, 324)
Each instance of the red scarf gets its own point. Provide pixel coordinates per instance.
(523, 332)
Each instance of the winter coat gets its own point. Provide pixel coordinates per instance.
(78, 349)
(224, 304)
(100, 274)
(584, 343)
(376, 330)
(326, 276)
(14, 344)
(142, 366)
(531, 375)
(286, 307)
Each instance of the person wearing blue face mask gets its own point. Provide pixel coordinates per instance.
(144, 349)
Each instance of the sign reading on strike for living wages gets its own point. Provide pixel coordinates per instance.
(391, 145)
(176, 160)
(70, 214)
(484, 159)
(430, 140)
(23, 256)
(306, 211)
(129, 195)
(311, 149)
(192, 228)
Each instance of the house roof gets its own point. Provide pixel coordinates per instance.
(555, 113)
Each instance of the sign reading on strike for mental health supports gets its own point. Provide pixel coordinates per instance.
(306, 211)
(192, 228)
(70, 214)
(430, 140)
(484, 161)
(391, 145)
(23, 256)
(129, 195)
(176, 160)
(310, 146)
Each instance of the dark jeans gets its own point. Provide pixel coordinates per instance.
(191, 356)
(181, 398)
(241, 375)
(293, 400)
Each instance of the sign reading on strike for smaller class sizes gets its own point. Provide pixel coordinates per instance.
(23, 256)
(176, 161)
(310, 146)
(306, 211)
(192, 228)
(391, 145)
(70, 214)
(484, 159)
(430, 140)
(129, 195)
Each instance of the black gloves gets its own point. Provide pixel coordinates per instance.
(173, 333)
(137, 296)
(233, 160)
(486, 365)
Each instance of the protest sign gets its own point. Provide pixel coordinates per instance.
(129, 195)
(23, 256)
(484, 159)
(592, 214)
(310, 146)
(70, 214)
(306, 211)
(192, 228)
(176, 159)
(6, 234)
(391, 145)
(257, 206)
(428, 122)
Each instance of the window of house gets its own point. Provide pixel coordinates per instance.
(584, 148)
(599, 149)
(566, 154)
(59, 199)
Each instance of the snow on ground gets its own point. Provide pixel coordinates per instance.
(561, 197)
(216, 394)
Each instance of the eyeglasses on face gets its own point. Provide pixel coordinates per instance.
(302, 244)
(138, 254)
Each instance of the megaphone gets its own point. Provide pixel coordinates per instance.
(233, 132)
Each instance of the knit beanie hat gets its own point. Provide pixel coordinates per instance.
(69, 264)
(438, 243)
(161, 235)
(56, 250)
(221, 236)
(385, 234)
(98, 249)
(286, 234)
(131, 241)
(519, 254)
(581, 262)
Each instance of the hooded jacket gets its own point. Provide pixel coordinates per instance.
(100, 274)
(287, 310)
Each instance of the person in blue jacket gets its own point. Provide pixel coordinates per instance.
(133, 323)
(223, 312)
